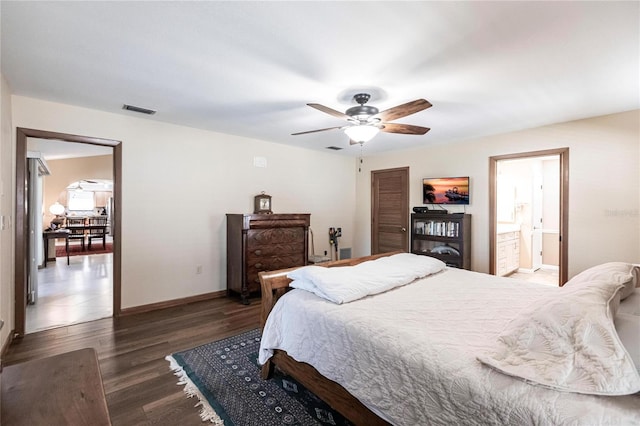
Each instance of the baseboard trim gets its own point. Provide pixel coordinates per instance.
(173, 303)
(6, 345)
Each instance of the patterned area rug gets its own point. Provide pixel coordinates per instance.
(76, 249)
(225, 376)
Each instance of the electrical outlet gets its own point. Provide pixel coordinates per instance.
(199, 269)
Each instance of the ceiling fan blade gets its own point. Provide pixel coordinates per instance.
(403, 110)
(330, 111)
(315, 131)
(405, 129)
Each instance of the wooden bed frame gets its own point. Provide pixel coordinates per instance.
(274, 285)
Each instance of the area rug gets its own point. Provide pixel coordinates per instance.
(225, 376)
(76, 249)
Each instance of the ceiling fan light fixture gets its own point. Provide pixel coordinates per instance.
(362, 133)
(365, 121)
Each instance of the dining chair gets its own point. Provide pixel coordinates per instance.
(97, 230)
(76, 226)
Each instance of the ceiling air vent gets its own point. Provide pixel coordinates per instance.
(335, 148)
(138, 109)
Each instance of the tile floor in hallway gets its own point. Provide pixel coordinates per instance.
(79, 292)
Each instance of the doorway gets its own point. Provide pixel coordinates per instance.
(22, 244)
(528, 215)
(389, 210)
(73, 204)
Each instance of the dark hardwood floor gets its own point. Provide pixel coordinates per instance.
(140, 388)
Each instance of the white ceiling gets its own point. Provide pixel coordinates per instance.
(249, 68)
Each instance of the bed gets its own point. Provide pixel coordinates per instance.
(434, 350)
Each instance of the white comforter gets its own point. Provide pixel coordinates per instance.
(414, 360)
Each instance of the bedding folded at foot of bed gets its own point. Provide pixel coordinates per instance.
(348, 283)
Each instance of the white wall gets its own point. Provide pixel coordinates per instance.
(208, 174)
(179, 182)
(604, 188)
(7, 173)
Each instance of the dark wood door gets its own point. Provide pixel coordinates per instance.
(389, 210)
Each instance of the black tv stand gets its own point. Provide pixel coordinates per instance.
(444, 236)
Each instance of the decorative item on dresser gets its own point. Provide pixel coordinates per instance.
(263, 242)
(262, 204)
(444, 236)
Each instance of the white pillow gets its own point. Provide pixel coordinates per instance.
(631, 305)
(307, 285)
(349, 283)
(628, 328)
(568, 341)
(624, 273)
(303, 273)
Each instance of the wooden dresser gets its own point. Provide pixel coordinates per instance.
(263, 242)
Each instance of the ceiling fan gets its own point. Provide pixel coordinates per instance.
(77, 186)
(365, 121)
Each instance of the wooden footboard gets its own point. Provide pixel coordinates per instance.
(274, 285)
(329, 391)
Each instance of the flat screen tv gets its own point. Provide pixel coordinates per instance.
(450, 190)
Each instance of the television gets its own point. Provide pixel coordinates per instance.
(449, 190)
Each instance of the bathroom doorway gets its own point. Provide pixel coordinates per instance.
(528, 221)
